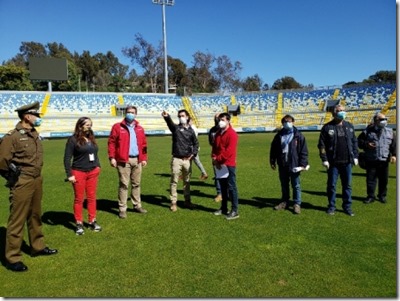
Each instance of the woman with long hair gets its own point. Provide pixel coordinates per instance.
(82, 166)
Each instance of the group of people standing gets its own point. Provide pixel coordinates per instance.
(21, 162)
(338, 150)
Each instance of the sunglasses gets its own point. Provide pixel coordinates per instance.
(382, 119)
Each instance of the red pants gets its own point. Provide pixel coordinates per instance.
(86, 181)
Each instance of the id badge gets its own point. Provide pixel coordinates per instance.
(91, 157)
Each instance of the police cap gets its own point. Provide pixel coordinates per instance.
(29, 109)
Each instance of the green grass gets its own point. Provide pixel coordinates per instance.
(264, 253)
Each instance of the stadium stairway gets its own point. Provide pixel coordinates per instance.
(187, 104)
(390, 103)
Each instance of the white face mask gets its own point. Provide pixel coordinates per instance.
(183, 120)
(382, 123)
(222, 124)
(288, 125)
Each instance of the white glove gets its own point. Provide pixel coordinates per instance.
(300, 168)
(297, 169)
(355, 161)
(326, 164)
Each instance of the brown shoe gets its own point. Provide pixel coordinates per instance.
(281, 206)
(204, 177)
(140, 210)
(173, 208)
(122, 214)
(218, 198)
(296, 209)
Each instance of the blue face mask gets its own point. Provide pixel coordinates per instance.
(288, 125)
(341, 115)
(38, 122)
(130, 117)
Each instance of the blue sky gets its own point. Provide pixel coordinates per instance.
(315, 41)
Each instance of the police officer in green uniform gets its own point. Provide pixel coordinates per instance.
(21, 149)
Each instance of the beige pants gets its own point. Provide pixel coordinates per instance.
(178, 167)
(129, 172)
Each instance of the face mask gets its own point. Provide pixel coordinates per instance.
(341, 115)
(288, 125)
(130, 117)
(37, 122)
(382, 123)
(222, 124)
(183, 120)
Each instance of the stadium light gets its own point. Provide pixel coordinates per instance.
(164, 3)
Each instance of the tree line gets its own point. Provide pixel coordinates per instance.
(104, 73)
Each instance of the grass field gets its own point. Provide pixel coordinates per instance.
(193, 254)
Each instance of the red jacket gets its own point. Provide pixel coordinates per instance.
(119, 139)
(224, 149)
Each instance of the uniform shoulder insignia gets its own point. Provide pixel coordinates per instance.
(11, 132)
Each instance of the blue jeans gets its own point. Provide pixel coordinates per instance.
(344, 171)
(286, 176)
(229, 191)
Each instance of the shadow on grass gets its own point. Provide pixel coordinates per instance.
(110, 206)
(165, 175)
(193, 181)
(163, 201)
(260, 202)
(62, 218)
(338, 196)
(271, 202)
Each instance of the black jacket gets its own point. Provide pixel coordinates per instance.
(184, 140)
(328, 140)
(297, 152)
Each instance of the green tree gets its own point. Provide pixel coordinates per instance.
(177, 74)
(148, 58)
(382, 77)
(227, 73)
(14, 77)
(88, 67)
(200, 74)
(252, 83)
(286, 83)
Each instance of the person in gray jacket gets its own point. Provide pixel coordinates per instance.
(379, 144)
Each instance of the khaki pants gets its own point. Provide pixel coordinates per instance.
(178, 167)
(129, 172)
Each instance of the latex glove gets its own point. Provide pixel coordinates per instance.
(297, 169)
(326, 164)
(355, 161)
(300, 168)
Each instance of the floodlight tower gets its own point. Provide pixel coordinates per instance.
(164, 3)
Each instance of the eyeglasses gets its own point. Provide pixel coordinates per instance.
(382, 119)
